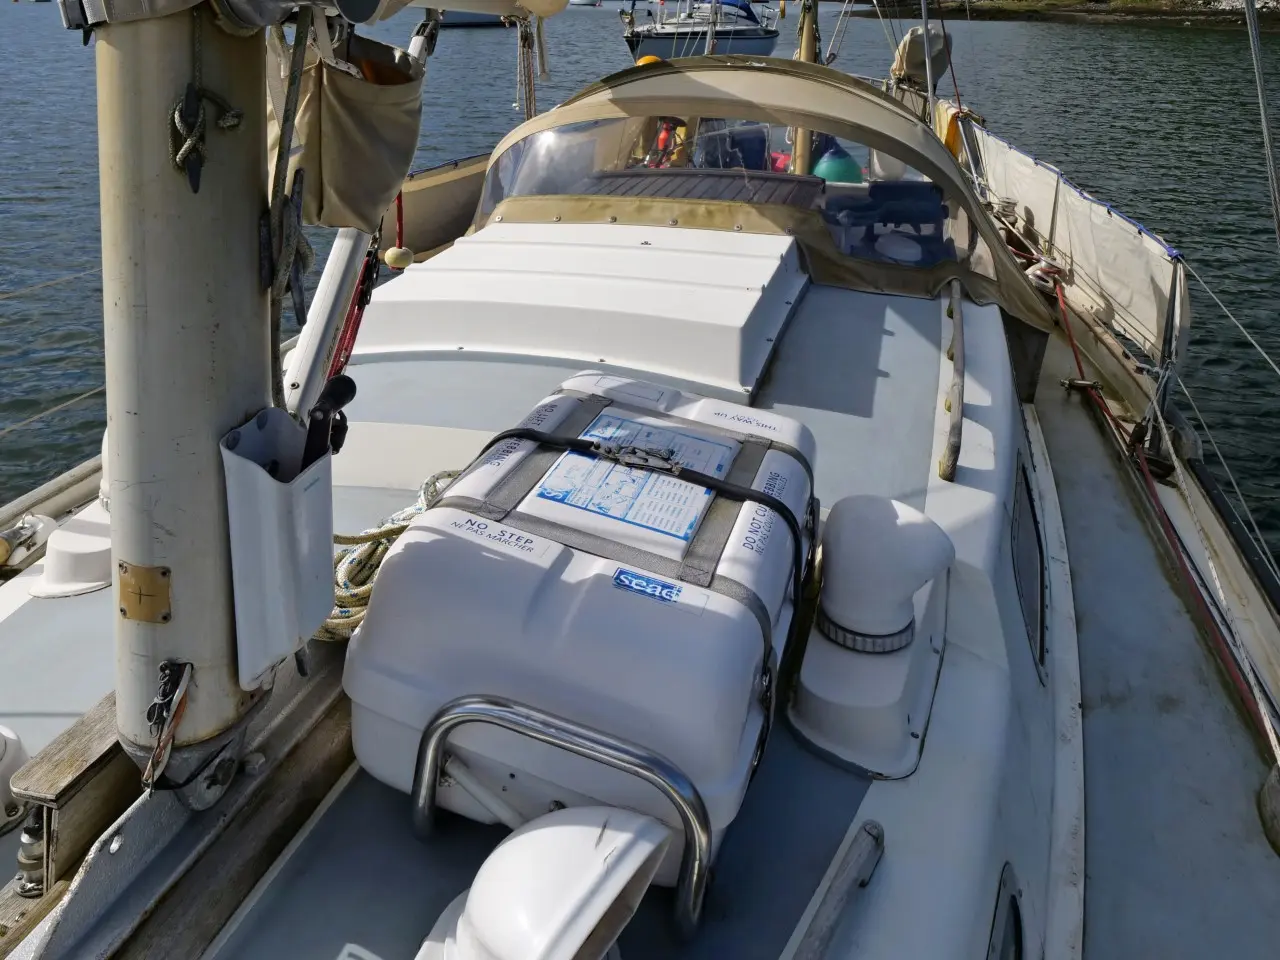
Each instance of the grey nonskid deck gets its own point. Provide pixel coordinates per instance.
(362, 887)
(1176, 862)
(861, 371)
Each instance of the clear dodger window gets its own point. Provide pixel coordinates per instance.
(874, 206)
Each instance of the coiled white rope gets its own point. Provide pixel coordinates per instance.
(355, 567)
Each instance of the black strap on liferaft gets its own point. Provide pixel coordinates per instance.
(662, 462)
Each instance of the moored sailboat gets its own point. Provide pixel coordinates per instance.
(717, 26)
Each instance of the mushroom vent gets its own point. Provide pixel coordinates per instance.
(876, 554)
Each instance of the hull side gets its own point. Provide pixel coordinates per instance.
(692, 43)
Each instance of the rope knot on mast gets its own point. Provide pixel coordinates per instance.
(187, 120)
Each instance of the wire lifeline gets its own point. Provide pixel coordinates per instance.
(1230, 637)
(12, 428)
(1255, 51)
(23, 291)
(1230, 316)
(1259, 540)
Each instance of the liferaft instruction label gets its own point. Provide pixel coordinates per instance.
(633, 495)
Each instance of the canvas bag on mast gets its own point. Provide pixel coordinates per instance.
(356, 132)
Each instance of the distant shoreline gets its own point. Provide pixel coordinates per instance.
(1058, 11)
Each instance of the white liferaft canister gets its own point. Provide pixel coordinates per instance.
(569, 583)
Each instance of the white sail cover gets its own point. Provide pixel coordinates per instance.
(908, 59)
(1117, 271)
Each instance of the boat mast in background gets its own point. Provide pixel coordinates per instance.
(928, 57)
(801, 149)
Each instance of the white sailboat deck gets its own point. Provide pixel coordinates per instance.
(1170, 769)
(862, 371)
(866, 373)
(799, 808)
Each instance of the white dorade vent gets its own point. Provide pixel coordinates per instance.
(877, 553)
(562, 887)
(865, 688)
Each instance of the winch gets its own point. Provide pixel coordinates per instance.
(624, 559)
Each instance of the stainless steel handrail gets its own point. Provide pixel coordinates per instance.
(653, 768)
(955, 395)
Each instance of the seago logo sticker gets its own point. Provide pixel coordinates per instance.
(647, 586)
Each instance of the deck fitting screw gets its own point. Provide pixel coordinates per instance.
(613, 219)
(737, 226)
(124, 567)
(672, 222)
(223, 773)
(498, 219)
(165, 617)
(556, 218)
(124, 612)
